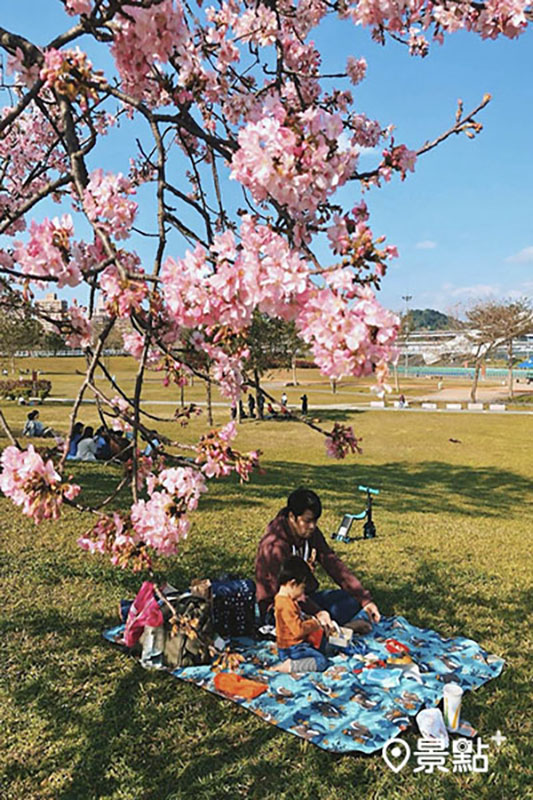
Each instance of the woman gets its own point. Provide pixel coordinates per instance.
(87, 446)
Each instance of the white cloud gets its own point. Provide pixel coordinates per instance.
(427, 244)
(524, 256)
(477, 290)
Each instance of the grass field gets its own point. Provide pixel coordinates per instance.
(453, 552)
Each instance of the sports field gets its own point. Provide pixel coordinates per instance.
(453, 552)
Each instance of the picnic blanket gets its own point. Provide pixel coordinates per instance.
(368, 695)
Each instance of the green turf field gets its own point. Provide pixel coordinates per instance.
(453, 552)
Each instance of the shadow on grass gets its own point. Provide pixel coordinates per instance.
(429, 486)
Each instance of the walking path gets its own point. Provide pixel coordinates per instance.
(331, 406)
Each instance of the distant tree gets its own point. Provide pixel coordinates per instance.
(272, 343)
(53, 341)
(497, 324)
(18, 331)
(428, 319)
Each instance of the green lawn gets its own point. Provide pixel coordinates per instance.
(453, 552)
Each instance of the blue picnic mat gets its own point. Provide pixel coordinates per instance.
(369, 693)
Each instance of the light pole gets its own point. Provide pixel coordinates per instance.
(406, 297)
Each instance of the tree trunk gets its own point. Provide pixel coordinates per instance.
(182, 396)
(396, 379)
(475, 381)
(510, 386)
(334, 386)
(293, 367)
(258, 402)
(209, 403)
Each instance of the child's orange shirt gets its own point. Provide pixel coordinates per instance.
(290, 627)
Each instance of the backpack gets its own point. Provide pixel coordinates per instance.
(188, 632)
(233, 606)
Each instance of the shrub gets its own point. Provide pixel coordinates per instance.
(12, 389)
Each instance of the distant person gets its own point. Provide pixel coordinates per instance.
(152, 446)
(103, 445)
(402, 402)
(251, 405)
(242, 412)
(284, 400)
(271, 411)
(305, 406)
(120, 446)
(34, 427)
(261, 405)
(87, 446)
(233, 411)
(77, 433)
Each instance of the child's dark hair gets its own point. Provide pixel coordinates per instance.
(296, 569)
(302, 500)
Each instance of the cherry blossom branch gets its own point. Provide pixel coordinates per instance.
(7, 430)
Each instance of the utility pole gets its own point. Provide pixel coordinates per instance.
(406, 297)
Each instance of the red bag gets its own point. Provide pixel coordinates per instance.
(144, 611)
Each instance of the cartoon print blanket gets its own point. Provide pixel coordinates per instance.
(369, 693)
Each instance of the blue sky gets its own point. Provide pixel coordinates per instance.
(463, 222)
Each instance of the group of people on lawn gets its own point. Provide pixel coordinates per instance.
(87, 445)
(288, 592)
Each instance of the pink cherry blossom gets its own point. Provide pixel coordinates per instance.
(33, 484)
(48, 251)
(106, 203)
(80, 334)
(342, 441)
(79, 6)
(356, 69)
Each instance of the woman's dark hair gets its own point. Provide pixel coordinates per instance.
(33, 414)
(88, 433)
(302, 500)
(78, 428)
(296, 569)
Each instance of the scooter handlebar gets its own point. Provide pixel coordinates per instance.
(368, 489)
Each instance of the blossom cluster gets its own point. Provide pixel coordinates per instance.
(341, 441)
(106, 202)
(70, 73)
(145, 38)
(124, 290)
(48, 252)
(297, 160)
(80, 333)
(114, 536)
(219, 459)
(34, 484)
(161, 521)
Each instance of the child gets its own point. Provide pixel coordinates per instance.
(293, 632)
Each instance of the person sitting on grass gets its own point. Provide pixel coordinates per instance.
(77, 433)
(34, 427)
(300, 639)
(103, 447)
(87, 446)
(294, 531)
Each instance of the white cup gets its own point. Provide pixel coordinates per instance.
(452, 694)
